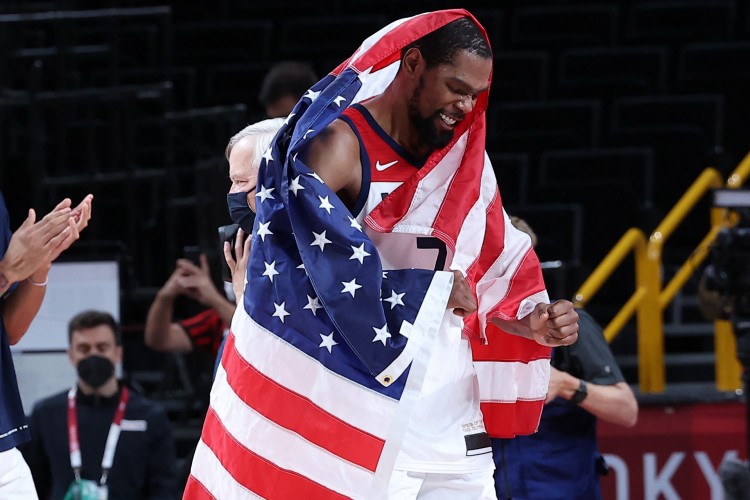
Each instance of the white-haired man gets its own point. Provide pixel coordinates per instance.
(206, 330)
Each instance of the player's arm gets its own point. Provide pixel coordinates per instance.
(23, 304)
(334, 156)
(30, 253)
(548, 324)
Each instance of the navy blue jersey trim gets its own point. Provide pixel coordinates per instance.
(398, 148)
(364, 189)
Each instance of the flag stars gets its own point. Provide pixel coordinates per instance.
(381, 334)
(385, 275)
(265, 193)
(308, 131)
(395, 299)
(320, 240)
(295, 185)
(263, 230)
(359, 253)
(270, 270)
(313, 304)
(350, 287)
(327, 341)
(311, 94)
(268, 155)
(325, 204)
(339, 100)
(316, 176)
(289, 118)
(353, 223)
(302, 266)
(280, 311)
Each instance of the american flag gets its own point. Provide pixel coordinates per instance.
(327, 354)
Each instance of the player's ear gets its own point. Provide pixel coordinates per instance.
(412, 63)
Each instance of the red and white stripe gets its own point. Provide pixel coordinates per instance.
(264, 433)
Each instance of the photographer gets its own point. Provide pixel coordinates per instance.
(204, 331)
(724, 293)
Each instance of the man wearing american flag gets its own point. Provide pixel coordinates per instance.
(393, 319)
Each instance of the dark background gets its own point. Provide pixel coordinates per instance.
(601, 114)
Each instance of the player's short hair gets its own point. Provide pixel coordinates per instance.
(441, 45)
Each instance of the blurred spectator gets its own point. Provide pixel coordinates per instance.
(562, 460)
(25, 260)
(204, 331)
(99, 438)
(283, 86)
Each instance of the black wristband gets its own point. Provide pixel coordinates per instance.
(580, 393)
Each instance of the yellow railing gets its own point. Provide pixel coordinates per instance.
(650, 299)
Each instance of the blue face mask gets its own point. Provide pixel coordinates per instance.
(240, 212)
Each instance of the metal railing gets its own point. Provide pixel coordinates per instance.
(650, 297)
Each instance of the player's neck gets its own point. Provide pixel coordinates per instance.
(392, 114)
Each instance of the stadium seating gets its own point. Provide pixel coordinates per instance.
(539, 126)
(680, 21)
(520, 76)
(611, 72)
(555, 26)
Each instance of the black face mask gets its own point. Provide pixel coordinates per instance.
(240, 212)
(95, 370)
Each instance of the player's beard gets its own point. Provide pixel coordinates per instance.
(426, 128)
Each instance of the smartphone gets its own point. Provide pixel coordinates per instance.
(193, 254)
(227, 233)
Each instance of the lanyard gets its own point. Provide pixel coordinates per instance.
(112, 437)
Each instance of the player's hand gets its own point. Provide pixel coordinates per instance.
(238, 267)
(35, 242)
(462, 299)
(79, 219)
(554, 324)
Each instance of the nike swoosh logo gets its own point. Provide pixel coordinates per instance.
(380, 167)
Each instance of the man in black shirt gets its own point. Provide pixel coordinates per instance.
(562, 460)
(75, 447)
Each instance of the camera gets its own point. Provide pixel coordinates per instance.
(729, 270)
(227, 233)
(193, 254)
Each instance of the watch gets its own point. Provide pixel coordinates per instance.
(580, 393)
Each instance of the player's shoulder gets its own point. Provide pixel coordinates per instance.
(335, 148)
(338, 135)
